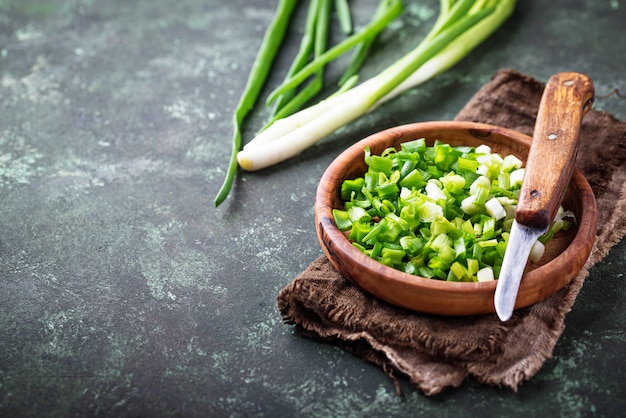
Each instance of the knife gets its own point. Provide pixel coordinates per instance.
(566, 99)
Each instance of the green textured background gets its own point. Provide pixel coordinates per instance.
(123, 292)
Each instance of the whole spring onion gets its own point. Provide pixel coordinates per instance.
(294, 97)
(439, 212)
(460, 27)
(260, 70)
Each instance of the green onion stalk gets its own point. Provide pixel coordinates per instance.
(461, 26)
(301, 89)
(270, 46)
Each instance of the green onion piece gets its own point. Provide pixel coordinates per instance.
(393, 253)
(359, 231)
(380, 164)
(351, 186)
(459, 270)
(413, 179)
(453, 183)
(417, 145)
(376, 249)
(387, 191)
(358, 214)
(466, 164)
(342, 219)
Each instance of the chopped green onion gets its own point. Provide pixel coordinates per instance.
(536, 251)
(485, 274)
(342, 219)
(444, 227)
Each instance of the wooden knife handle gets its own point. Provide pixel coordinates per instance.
(566, 99)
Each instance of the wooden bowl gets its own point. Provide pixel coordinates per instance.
(565, 254)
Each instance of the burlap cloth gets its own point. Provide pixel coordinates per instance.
(438, 352)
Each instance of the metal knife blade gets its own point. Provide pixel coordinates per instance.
(567, 97)
(513, 265)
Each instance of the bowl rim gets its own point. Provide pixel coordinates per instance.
(342, 246)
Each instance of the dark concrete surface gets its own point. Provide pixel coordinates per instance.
(123, 292)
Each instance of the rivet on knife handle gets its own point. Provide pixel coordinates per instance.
(566, 99)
